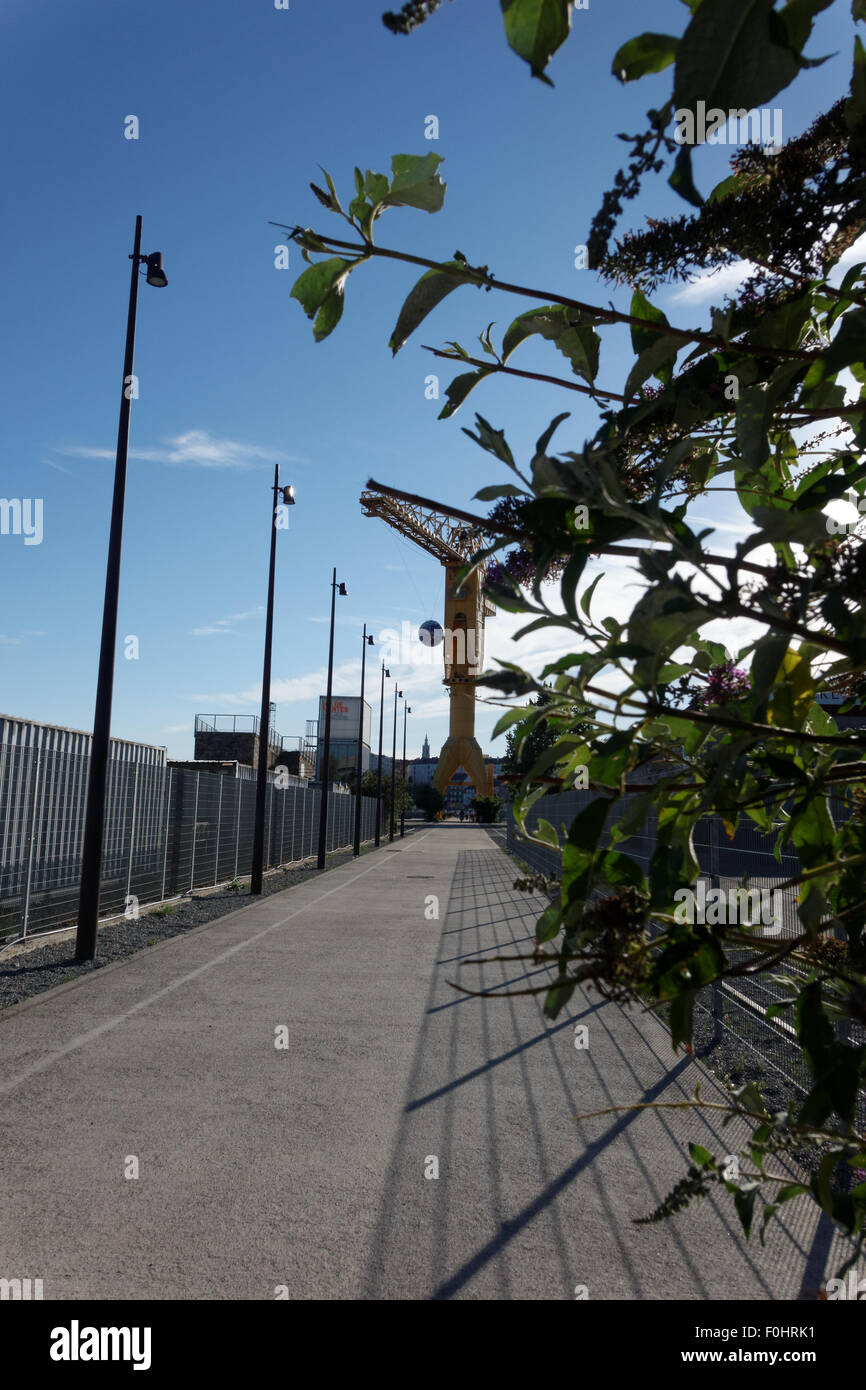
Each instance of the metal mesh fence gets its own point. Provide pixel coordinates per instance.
(167, 831)
(730, 1017)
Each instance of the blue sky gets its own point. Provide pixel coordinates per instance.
(238, 104)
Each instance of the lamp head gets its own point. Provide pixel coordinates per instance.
(288, 495)
(370, 642)
(155, 273)
(342, 591)
(387, 673)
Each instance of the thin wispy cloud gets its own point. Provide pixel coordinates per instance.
(194, 449)
(225, 626)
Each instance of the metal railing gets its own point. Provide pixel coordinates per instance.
(730, 1015)
(167, 831)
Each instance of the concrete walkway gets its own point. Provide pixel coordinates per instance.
(304, 1167)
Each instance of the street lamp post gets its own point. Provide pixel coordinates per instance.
(326, 750)
(407, 709)
(385, 672)
(365, 643)
(257, 868)
(94, 822)
(398, 695)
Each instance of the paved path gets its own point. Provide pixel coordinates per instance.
(304, 1167)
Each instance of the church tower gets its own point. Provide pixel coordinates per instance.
(425, 750)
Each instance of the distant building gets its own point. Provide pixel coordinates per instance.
(233, 738)
(460, 791)
(349, 717)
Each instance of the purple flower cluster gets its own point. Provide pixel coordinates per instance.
(519, 568)
(725, 682)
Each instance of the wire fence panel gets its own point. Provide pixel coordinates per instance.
(167, 831)
(733, 1012)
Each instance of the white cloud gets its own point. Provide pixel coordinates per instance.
(194, 448)
(854, 254)
(714, 285)
(226, 625)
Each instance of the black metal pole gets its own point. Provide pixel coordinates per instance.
(94, 823)
(325, 775)
(379, 769)
(358, 774)
(394, 764)
(403, 807)
(257, 869)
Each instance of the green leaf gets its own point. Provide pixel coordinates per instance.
(543, 441)
(729, 58)
(666, 875)
(329, 314)
(429, 291)
(642, 338)
(459, 389)
(752, 423)
(835, 1067)
(681, 180)
(681, 1019)
(700, 1156)
(415, 182)
(577, 855)
(797, 17)
(643, 54)
(618, 869)
(586, 597)
(535, 29)
(855, 106)
(548, 924)
(545, 832)
(657, 360)
(375, 186)
(319, 290)
(744, 1201)
(493, 441)
(557, 998)
(728, 187)
(490, 494)
(568, 329)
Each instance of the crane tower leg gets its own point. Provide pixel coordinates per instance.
(461, 749)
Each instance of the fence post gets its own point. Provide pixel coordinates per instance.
(717, 998)
(216, 859)
(294, 818)
(718, 1011)
(283, 828)
(31, 839)
(237, 825)
(194, 832)
(131, 835)
(167, 823)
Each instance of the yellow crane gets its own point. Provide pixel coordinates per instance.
(452, 542)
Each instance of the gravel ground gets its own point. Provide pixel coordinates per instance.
(28, 970)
